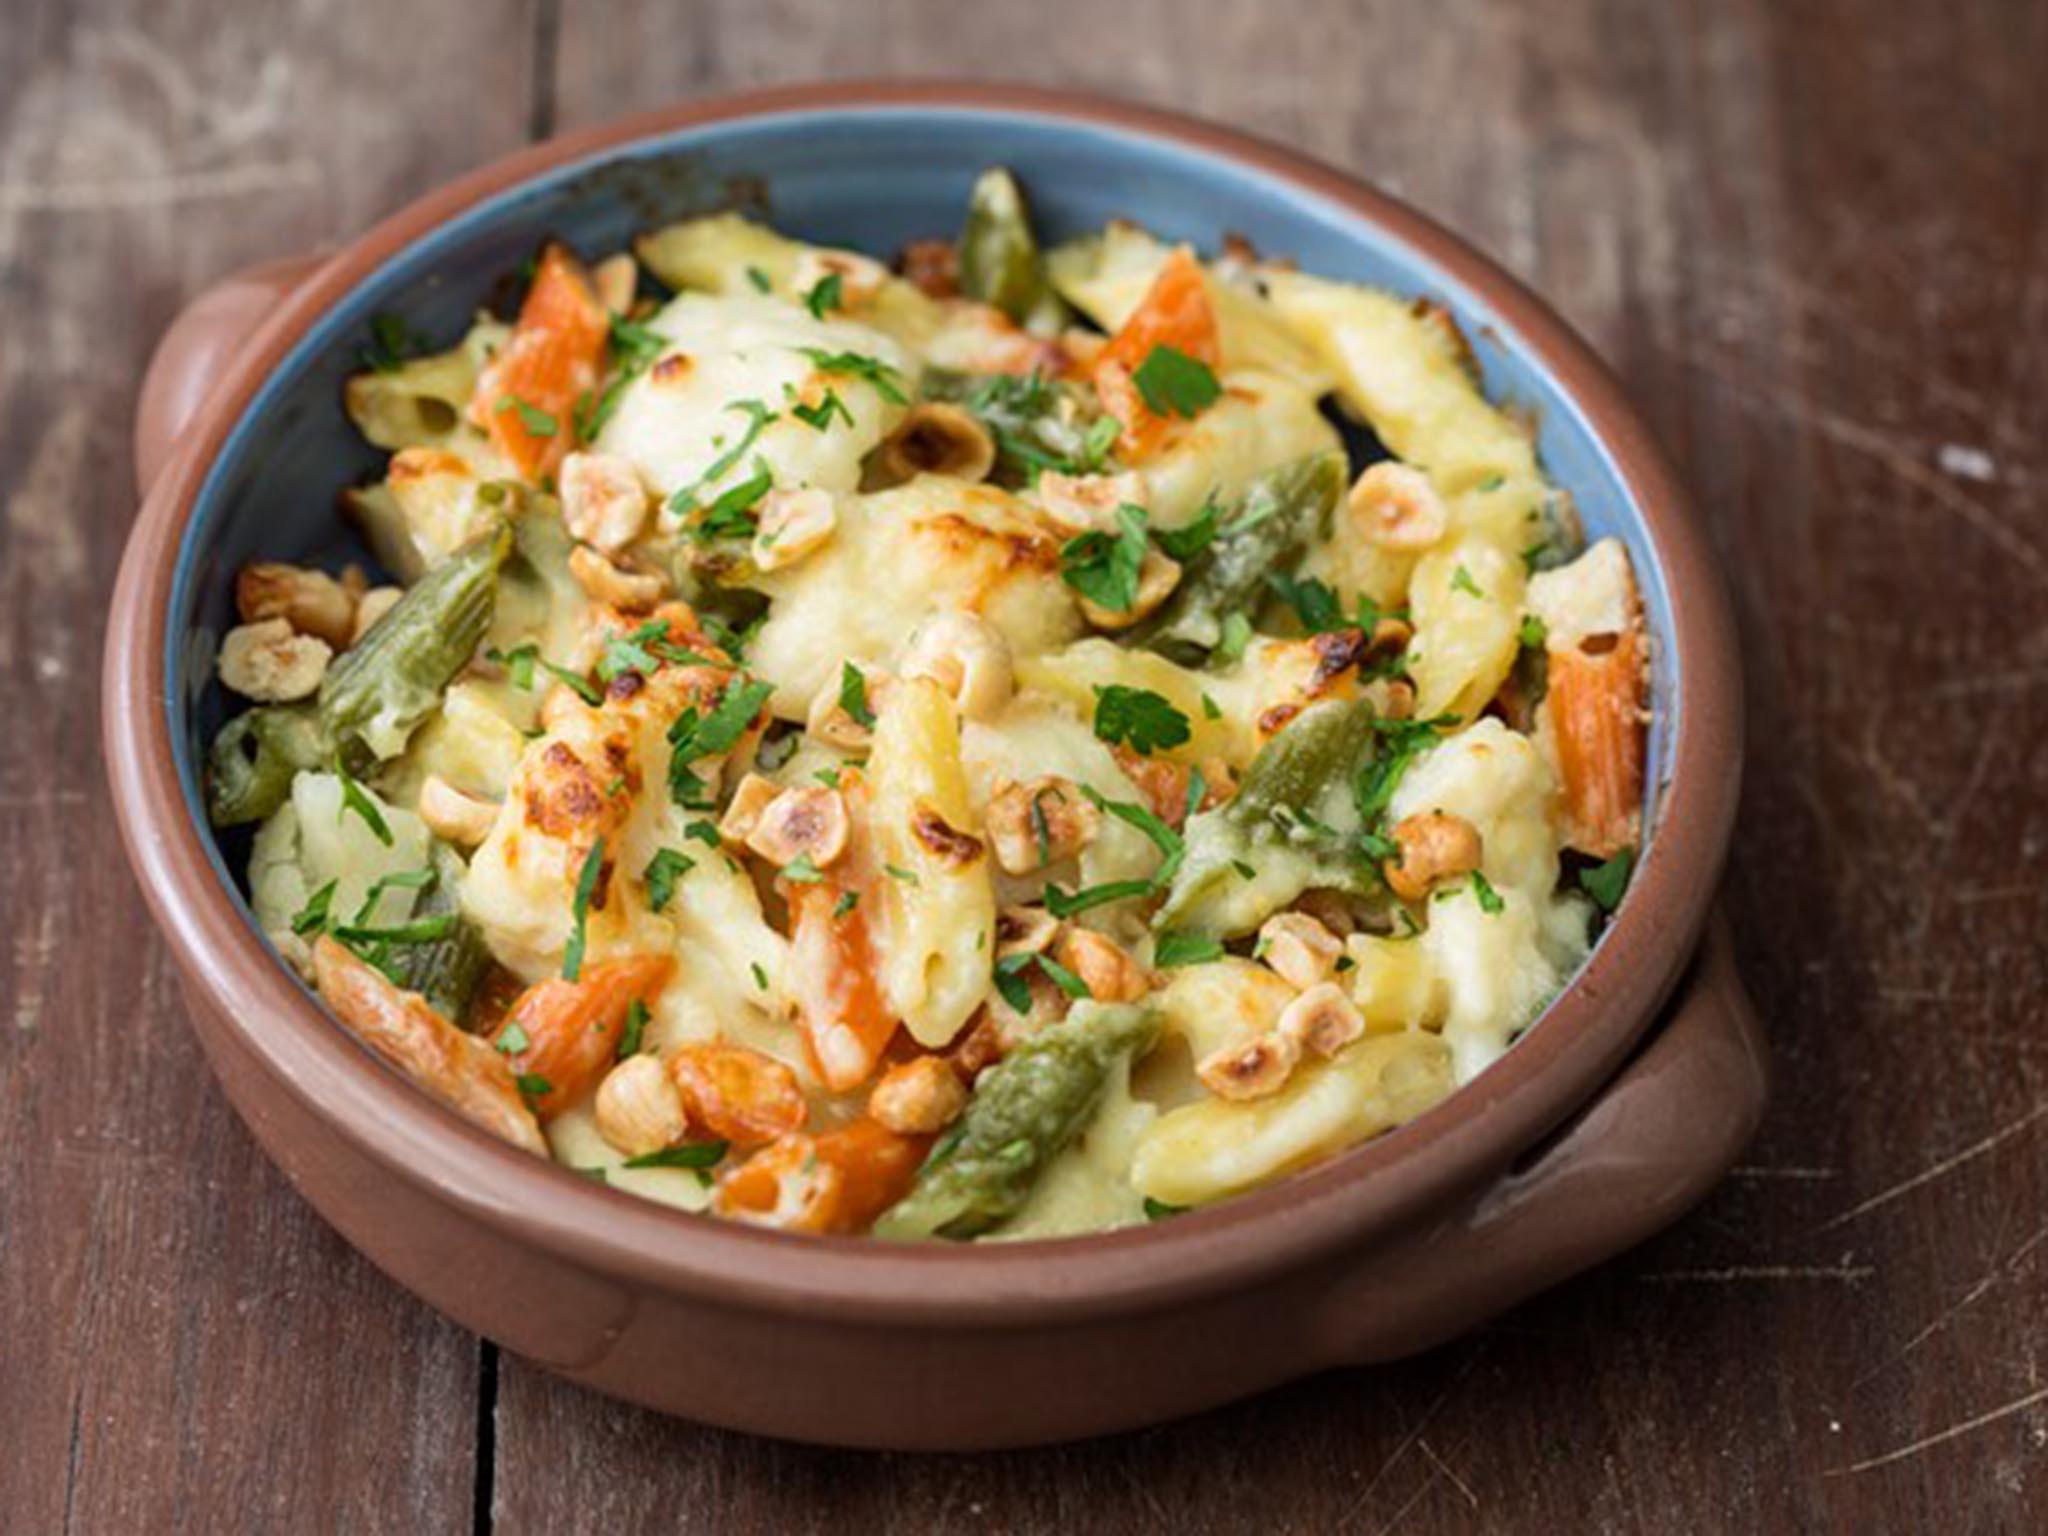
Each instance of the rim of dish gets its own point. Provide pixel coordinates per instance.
(1551, 1073)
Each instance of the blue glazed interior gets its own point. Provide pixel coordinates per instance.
(871, 179)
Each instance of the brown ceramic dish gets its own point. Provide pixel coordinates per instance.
(1618, 1110)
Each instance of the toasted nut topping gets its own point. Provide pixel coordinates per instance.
(809, 821)
(933, 267)
(1024, 931)
(1432, 849)
(1038, 823)
(1219, 782)
(639, 1108)
(562, 704)
(979, 1046)
(793, 523)
(1110, 973)
(918, 1097)
(860, 277)
(604, 500)
(750, 797)
(941, 839)
(1157, 578)
(831, 724)
(968, 657)
(1322, 1020)
(312, 602)
(1390, 637)
(1330, 908)
(371, 607)
(934, 438)
(1398, 698)
(1300, 950)
(453, 815)
(614, 280)
(1085, 502)
(271, 662)
(1394, 506)
(1250, 1071)
(627, 591)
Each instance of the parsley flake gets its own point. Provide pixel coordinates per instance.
(1175, 384)
(537, 422)
(663, 872)
(1606, 882)
(635, 1032)
(691, 1154)
(1173, 949)
(354, 799)
(586, 888)
(1104, 567)
(853, 695)
(826, 296)
(887, 382)
(1139, 718)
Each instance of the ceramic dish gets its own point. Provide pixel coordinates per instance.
(1615, 1111)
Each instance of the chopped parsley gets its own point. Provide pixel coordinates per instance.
(819, 416)
(847, 901)
(403, 880)
(1489, 899)
(635, 1032)
(693, 737)
(853, 695)
(1159, 1210)
(1534, 634)
(1461, 581)
(802, 870)
(517, 662)
(896, 872)
(1064, 903)
(513, 1038)
(537, 422)
(576, 682)
(1063, 978)
(391, 343)
(760, 280)
(1139, 718)
(1312, 601)
(731, 515)
(826, 296)
(887, 382)
(534, 1086)
(1174, 384)
(704, 832)
(663, 872)
(760, 976)
(1104, 567)
(586, 888)
(312, 917)
(1606, 882)
(1185, 543)
(1211, 710)
(691, 1154)
(1173, 949)
(354, 799)
(421, 930)
(685, 500)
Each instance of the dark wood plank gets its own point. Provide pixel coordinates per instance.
(185, 1344)
(1822, 275)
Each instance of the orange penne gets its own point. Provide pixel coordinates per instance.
(458, 1069)
(838, 1182)
(566, 1034)
(526, 398)
(1176, 313)
(1595, 706)
(835, 982)
(737, 1094)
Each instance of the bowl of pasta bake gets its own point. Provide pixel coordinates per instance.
(934, 766)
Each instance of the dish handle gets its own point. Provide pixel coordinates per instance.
(1649, 1146)
(196, 349)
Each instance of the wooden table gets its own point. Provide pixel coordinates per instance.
(1813, 237)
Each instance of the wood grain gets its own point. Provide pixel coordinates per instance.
(1814, 241)
(182, 1343)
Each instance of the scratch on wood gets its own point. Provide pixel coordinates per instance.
(158, 191)
(1408, 1442)
(1444, 1467)
(1941, 1437)
(1946, 1166)
(1801, 1174)
(1734, 1274)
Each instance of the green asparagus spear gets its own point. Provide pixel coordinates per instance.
(1281, 512)
(391, 679)
(1291, 826)
(445, 971)
(1025, 1109)
(250, 767)
(999, 258)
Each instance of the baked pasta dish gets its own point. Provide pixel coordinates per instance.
(1007, 743)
